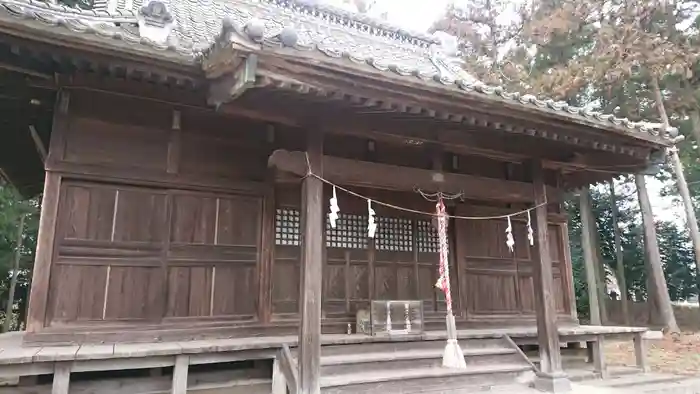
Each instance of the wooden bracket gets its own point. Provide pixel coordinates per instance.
(233, 85)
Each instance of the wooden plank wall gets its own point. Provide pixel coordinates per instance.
(162, 218)
(497, 284)
(160, 215)
(400, 263)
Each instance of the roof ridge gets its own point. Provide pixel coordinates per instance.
(362, 22)
(34, 6)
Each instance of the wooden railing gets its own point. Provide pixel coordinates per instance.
(522, 354)
(288, 368)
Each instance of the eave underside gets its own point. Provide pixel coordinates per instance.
(477, 138)
(367, 106)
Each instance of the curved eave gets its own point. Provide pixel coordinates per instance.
(105, 38)
(279, 64)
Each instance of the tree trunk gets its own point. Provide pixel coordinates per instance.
(695, 123)
(682, 184)
(15, 272)
(588, 245)
(621, 279)
(601, 274)
(660, 290)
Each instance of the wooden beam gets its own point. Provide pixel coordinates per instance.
(231, 86)
(24, 70)
(391, 177)
(312, 267)
(38, 143)
(551, 376)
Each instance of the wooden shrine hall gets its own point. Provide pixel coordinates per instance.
(188, 152)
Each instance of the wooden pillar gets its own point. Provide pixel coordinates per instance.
(551, 377)
(39, 291)
(588, 246)
(268, 251)
(311, 270)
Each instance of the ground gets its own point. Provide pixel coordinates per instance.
(681, 357)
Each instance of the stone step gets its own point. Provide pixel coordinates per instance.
(380, 347)
(411, 359)
(423, 380)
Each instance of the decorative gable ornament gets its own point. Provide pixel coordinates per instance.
(155, 22)
(445, 56)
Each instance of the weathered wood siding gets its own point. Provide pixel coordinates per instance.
(157, 224)
(172, 219)
(497, 284)
(400, 263)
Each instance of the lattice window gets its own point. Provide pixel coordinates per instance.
(394, 234)
(350, 232)
(427, 237)
(287, 227)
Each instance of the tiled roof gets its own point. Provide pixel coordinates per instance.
(337, 34)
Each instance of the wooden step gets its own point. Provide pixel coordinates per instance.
(379, 347)
(419, 380)
(421, 358)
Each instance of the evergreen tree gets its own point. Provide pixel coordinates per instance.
(678, 259)
(12, 206)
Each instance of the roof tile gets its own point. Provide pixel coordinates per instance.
(333, 32)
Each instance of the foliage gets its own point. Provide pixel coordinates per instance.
(612, 55)
(678, 259)
(491, 37)
(12, 206)
(674, 244)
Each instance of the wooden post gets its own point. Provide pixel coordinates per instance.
(15, 270)
(551, 376)
(311, 270)
(279, 383)
(61, 378)
(621, 278)
(588, 246)
(182, 365)
(598, 355)
(640, 351)
(663, 301)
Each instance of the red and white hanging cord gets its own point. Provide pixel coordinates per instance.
(443, 283)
